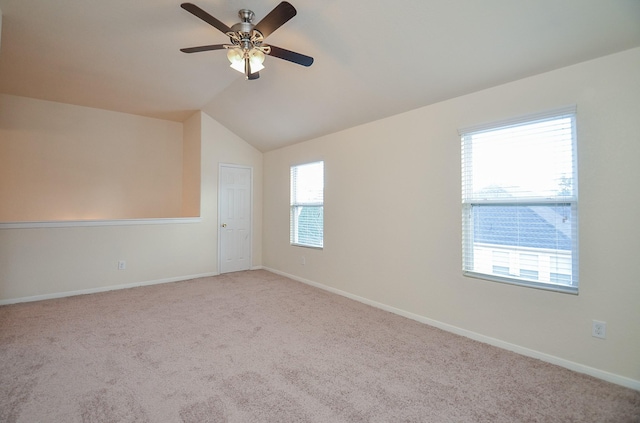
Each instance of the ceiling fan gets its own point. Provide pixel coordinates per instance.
(247, 49)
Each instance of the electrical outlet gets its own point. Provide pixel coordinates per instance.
(122, 265)
(599, 329)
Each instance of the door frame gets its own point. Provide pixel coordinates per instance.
(219, 222)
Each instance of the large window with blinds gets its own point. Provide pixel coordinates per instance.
(307, 205)
(520, 201)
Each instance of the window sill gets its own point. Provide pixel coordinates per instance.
(565, 289)
(313, 247)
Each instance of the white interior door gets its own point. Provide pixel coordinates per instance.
(234, 234)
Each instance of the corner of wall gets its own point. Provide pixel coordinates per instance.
(191, 167)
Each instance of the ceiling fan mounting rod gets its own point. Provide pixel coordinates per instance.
(245, 27)
(246, 15)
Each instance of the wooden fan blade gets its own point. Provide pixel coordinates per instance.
(276, 18)
(196, 11)
(253, 76)
(291, 56)
(202, 48)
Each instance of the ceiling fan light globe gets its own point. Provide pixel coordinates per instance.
(235, 55)
(239, 66)
(256, 56)
(255, 67)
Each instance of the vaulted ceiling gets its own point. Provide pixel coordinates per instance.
(373, 58)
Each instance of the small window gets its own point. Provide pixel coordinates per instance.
(307, 205)
(520, 202)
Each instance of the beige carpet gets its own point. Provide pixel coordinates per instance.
(257, 347)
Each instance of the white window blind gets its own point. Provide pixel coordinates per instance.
(520, 201)
(307, 205)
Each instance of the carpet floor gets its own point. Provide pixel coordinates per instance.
(257, 347)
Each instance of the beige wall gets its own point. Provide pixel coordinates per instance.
(65, 162)
(44, 262)
(393, 218)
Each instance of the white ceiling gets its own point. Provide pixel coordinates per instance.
(373, 58)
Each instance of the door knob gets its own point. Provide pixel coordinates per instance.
(224, 225)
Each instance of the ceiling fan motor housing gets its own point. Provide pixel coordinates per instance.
(245, 31)
(245, 26)
(242, 27)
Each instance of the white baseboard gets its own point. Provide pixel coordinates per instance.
(102, 289)
(577, 367)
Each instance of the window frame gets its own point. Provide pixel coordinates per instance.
(469, 266)
(294, 205)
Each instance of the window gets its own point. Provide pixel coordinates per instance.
(520, 202)
(307, 205)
